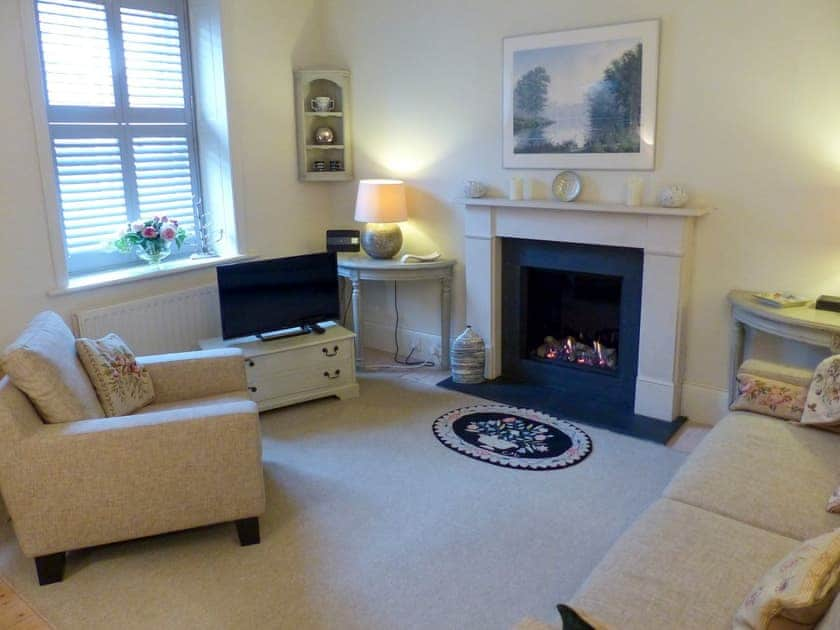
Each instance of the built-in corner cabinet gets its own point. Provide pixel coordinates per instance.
(323, 125)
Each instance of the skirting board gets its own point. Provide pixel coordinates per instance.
(700, 403)
(380, 336)
(704, 404)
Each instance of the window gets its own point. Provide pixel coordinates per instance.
(121, 123)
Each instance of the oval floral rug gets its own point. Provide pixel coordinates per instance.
(512, 437)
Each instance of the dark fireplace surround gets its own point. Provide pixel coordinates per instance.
(590, 293)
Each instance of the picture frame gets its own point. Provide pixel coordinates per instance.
(582, 98)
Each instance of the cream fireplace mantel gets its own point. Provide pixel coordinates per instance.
(664, 234)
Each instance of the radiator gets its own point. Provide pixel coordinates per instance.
(172, 322)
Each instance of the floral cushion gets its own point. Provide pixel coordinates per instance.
(797, 591)
(769, 397)
(823, 404)
(121, 384)
(833, 504)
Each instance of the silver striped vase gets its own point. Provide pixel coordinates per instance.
(467, 357)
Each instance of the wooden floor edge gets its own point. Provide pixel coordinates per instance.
(16, 613)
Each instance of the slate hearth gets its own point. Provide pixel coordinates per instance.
(554, 402)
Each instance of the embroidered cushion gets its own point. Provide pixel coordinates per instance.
(43, 364)
(833, 504)
(797, 591)
(121, 384)
(822, 407)
(769, 397)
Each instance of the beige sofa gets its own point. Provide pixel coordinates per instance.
(752, 490)
(191, 458)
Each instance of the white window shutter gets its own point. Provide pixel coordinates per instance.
(117, 76)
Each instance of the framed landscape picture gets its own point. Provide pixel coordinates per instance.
(583, 99)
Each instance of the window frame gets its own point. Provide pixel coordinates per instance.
(121, 122)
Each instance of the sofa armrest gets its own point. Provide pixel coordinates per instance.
(80, 484)
(190, 375)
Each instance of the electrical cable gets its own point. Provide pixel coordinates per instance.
(407, 361)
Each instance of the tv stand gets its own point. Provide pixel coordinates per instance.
(296, 366)
(292, 332)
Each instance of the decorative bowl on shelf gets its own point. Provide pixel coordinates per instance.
(324, 135)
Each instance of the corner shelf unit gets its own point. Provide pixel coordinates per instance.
(335, 84)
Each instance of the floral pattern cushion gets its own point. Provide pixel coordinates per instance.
(833, 504)
(121, 384)
(769, 397)
(823, 404)
(797, 591)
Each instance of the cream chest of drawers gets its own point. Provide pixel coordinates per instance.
(294, 369)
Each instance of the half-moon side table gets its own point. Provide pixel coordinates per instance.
(357, 268)
(804, 324)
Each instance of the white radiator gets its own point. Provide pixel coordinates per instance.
(172, 322)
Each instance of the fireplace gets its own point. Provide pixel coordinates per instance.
(570, 319)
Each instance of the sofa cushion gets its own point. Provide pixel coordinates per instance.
(797, 591)
(679, 567)
(774, 475)
(121, 385)
(42, 362)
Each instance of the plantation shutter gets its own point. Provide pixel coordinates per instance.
(118, 92)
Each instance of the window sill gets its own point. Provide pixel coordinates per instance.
(134, 274)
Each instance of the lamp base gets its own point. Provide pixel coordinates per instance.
(382, 240)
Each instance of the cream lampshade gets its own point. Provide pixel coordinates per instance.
(381, 204)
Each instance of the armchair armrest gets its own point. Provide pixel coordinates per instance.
(92, 482)
(189, 375)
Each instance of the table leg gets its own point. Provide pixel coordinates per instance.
(736, 357)
(445, 320)
(357, 319)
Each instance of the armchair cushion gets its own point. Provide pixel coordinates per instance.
(121, 385)
(42, 362)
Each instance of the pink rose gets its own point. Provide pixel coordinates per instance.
(168, 233)
(149, 232)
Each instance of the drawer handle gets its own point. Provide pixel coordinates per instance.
(328, 353)
(252, 389)
(250, 363)
(336, 374)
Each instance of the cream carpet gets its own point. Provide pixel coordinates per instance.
(371, 523)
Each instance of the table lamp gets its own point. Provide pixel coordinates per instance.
(381, 204)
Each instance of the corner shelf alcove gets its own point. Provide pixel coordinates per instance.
(334, 84)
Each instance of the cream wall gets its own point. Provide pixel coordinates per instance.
(747, 119)
(263, 40)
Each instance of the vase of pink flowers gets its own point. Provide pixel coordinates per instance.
(151, 240)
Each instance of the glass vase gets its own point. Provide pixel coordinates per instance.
(154, 252)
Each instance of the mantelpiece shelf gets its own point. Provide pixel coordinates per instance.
(324, 114)
(585, 206)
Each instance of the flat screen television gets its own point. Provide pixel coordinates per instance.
(266, 296)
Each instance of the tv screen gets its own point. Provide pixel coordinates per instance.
(269, 295)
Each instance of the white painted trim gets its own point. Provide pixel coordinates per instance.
(38, 107)
(380, 336)
(137, 273)
(704, 404)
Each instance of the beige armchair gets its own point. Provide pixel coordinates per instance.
(191, 458)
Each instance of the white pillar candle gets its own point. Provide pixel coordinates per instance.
(515, 188)
(635, 186)
(529, 189)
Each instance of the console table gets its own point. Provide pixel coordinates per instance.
(357, 268)
(804, 324)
